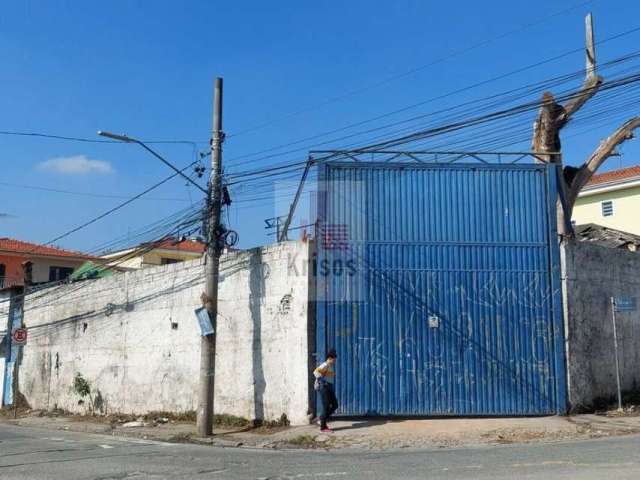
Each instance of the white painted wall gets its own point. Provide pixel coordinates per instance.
(147, 358)
(41, 265)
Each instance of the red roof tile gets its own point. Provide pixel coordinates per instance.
(26, 248)
(191, 246)
(615, 176)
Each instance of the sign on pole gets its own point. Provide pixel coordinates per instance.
(19, 336)
(614, 309)
(624, 304)
(206, 328)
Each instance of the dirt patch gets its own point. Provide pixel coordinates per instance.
(10, 412)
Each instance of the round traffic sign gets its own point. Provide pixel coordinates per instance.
(20, 336)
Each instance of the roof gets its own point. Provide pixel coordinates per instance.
(615, 176)
(172, 244)
(27, 248)
(607, 237)
(187, 245)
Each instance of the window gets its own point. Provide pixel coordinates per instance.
(59, 273)
(607, 208)
(167, 261)
(2, 274)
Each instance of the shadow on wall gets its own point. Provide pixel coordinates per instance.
(256, 293)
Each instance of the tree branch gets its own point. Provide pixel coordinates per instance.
(598, 157)
(589, 89)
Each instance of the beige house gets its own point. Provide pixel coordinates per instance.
(611, 199)
(163, 253)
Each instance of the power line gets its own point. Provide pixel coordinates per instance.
(90, 140)
(410, 72)
(456, 122)
(116, 208)
(413, 106)
(492, 131)
(84, 194)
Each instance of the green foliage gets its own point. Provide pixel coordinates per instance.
(81, 386)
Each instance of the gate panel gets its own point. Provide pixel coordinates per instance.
(438, 286)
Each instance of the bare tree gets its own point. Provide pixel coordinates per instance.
(552, 117)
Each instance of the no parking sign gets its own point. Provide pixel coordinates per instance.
(19, 336)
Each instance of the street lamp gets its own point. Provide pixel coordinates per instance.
(115, 136)
(126, 139)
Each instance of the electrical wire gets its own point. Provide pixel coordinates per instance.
(432, 99)
(411, 71)
(84, 194)
(90, 140)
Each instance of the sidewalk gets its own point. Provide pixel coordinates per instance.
(370, 434)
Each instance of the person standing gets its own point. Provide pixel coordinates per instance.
(325, 385)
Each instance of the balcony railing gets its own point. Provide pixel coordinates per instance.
(10, 281)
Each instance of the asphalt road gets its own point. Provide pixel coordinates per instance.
(29, 453)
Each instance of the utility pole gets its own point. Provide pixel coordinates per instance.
(214, 204)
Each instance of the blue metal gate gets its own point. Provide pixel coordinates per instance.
(439, 287)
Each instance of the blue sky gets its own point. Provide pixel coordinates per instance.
(147, 68)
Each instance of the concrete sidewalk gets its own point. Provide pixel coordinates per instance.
(373, 434)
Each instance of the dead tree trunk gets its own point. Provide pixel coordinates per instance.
(552, 117)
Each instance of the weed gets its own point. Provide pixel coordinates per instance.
(224, 420)
(81, 386)
(303, 441)
(188, 416)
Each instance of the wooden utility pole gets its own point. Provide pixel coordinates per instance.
(552, 117)
(204, 418)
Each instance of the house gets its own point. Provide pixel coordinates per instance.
(170, 250)
(611, 199)
(20, 261)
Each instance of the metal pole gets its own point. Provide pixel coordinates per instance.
(282, 235)
(208, 342)
(615, 347)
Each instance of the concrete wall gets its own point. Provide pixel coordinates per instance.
(626, 203)
(135, 339)
(592, 274)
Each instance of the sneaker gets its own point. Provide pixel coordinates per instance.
(326, 430)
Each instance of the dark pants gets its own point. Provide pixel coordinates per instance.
(329, 402)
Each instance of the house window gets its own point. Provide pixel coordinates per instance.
(2, 274)
(59, 273)
(607, 208)
(167, 261)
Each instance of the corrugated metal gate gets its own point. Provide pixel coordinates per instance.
(439, 287)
